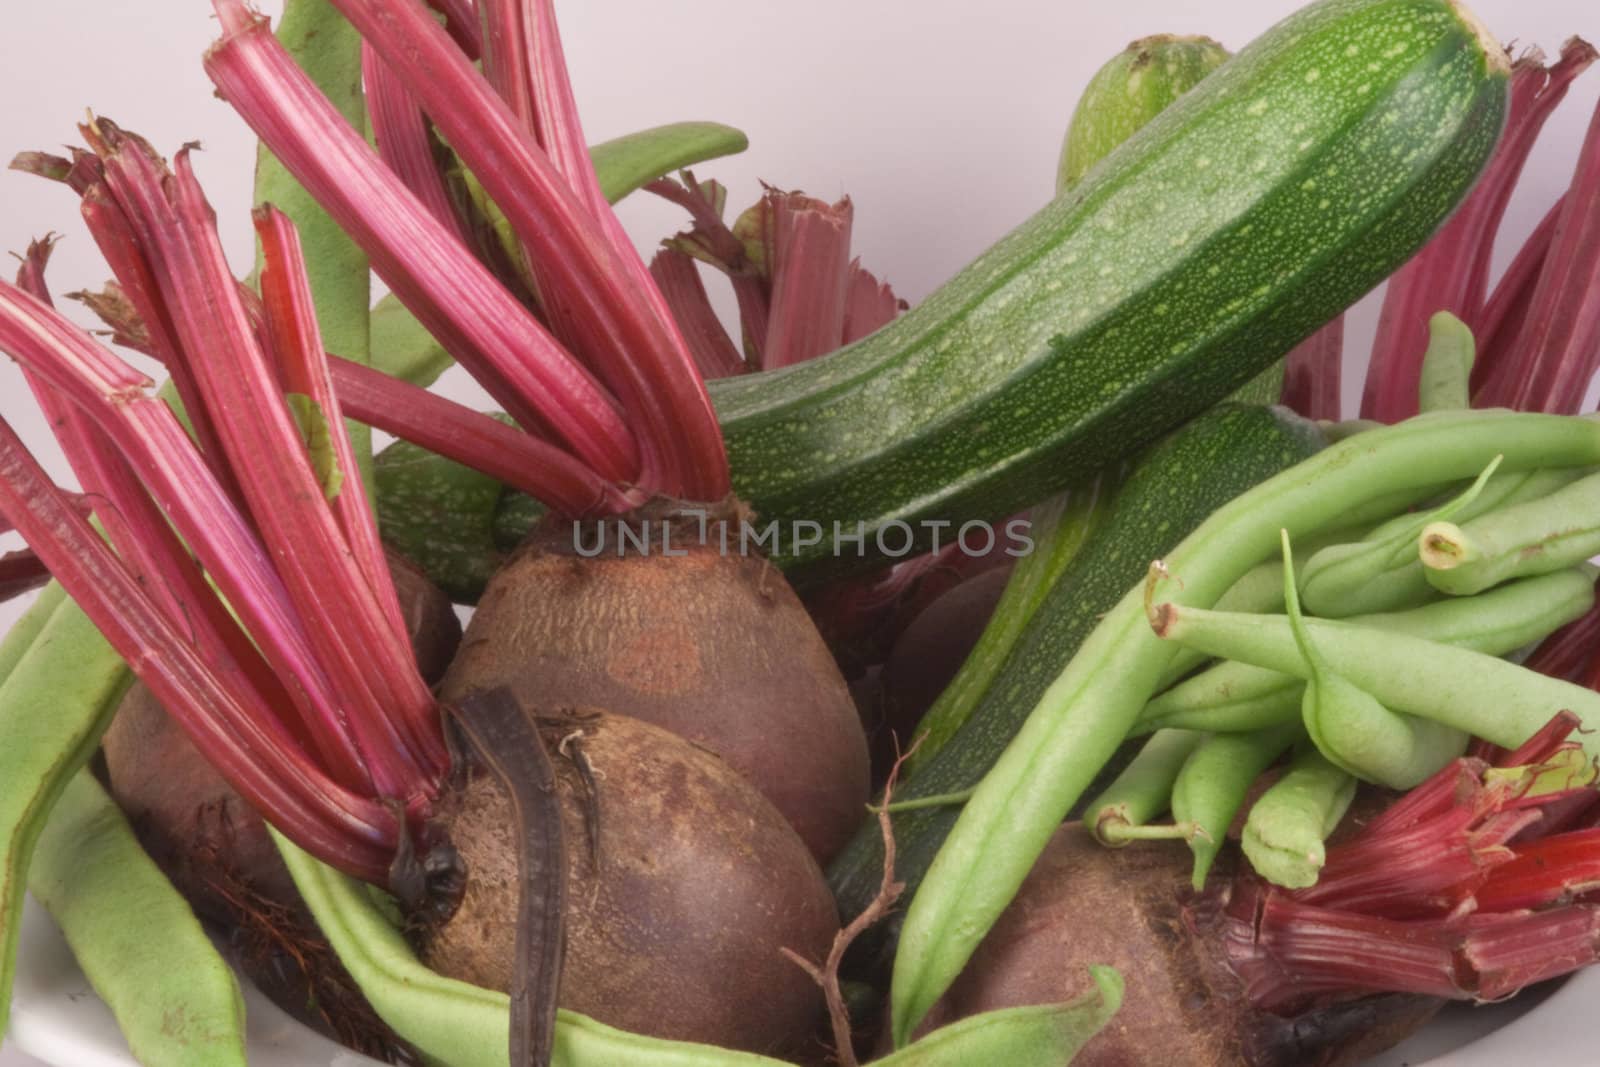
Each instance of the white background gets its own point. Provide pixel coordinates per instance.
(941, 120)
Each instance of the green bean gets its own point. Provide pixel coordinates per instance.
(1480, 694)
(1215, 781)
(633, 160)
(174, 997)
(1351, 728)
(1379, 572)
(1359, 581)
(1234, 696)
(21, 636)
(451, 1022)
(1060, 527)
(1447, 365)
(1535, 537)
(1085, 714)
(1260, 590)
(1120, 814)
(1037, 1036)
(54, 705)
(1286, 830)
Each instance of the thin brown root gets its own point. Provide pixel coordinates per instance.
(889, 890)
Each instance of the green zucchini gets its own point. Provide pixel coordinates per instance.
(1292, 180)
(1133, 87)
(1169, 492)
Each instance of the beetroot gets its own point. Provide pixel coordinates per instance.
(715, 648)
(197, 828)
(1131, 909)
(683, 884)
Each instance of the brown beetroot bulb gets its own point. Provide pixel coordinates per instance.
(676, 918)
(208, 840)
(1129, 908)
(713, 647)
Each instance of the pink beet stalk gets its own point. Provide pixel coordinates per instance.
(1312, 373)
(810, 278)
(679, 280)
(598, 296)
(1557, 350)
(455, 296)
(1458, 890)
(1452, 272)
(400, 130)
(238, 739)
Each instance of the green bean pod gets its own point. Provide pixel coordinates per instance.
(1214, 782)
(54, 705)
(1535, 537)
(1038, 1036)
(1379, 572)
(1120, 815)
(1351, 728)
(1086, 713)
(1285, 833)
(1382, 572)
(1260, 590)
(1447, 365)
(1233, 696)
(1470, 691)
(175, 998)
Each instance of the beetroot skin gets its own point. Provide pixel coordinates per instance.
(685, 896)
(714, 648)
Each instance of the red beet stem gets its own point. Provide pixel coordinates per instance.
(1312, 373)
(338, 537)
(456, 298)
(810, 269)
(711, 241)
(598, 296)
(1507, 310)
(679, 280)
(239, 737)
(1452, 272)
(1557, 350)
(400, 130)
(869, 304)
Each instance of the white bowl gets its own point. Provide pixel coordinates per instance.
(56, 1017)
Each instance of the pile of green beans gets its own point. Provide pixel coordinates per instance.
(1099, 698)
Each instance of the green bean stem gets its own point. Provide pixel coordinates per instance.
(1087, 711)
(1535, 537)
(1215, 781)
(175, 998)
(1233, 696)
(1143, 790)
(1286, 830)
(1447, 365)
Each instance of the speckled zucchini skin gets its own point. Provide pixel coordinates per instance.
(1288, 183)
